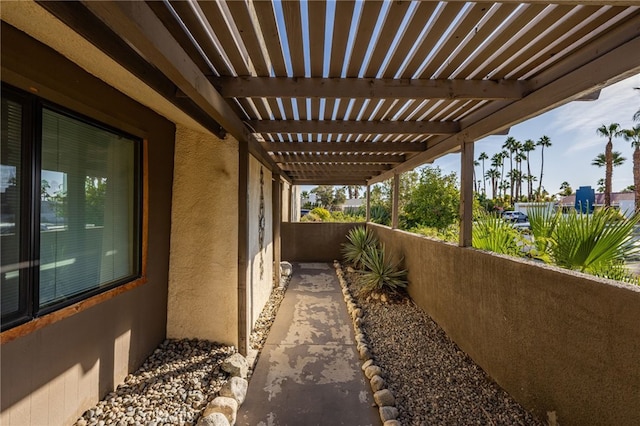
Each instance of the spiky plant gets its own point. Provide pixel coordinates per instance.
(543, 222)
(592, 243)
(360, 240)
(381, 274)
(491, 233)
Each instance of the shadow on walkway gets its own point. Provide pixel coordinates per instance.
(308, 372)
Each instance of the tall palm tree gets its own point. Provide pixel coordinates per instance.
(633, 135)
(527, 147)
(543, 142)
(511, 146)
(520, 157)
(601, 161)
(611, 131)
(475, 182)
(493, 175)
(483, 156)
(496, 163)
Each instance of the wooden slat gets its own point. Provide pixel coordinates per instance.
(341, 25)
(364, 32)
(240, 62)
(198, 32)
(267, 21)
(360, 88)
(360, 127)
(329, 181)
(317, 17)
(344, 147)
(246, 27)
(500, 13)
(339, 158)
(410, 38)
(293, 23)
(395, 15)
(334, 166)
(441, 24)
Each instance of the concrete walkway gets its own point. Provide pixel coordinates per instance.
(308, 372)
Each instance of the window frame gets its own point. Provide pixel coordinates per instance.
(31, 315)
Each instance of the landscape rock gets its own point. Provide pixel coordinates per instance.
(213, 419)
(377, 383)
(225, 405)
(373, 370)
(384, 397)
(388, 413)
(236, 388)
(286, 269)
(392, 423)
(236, 365)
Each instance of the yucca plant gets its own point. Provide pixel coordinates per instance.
(360, 240)
(593, 243)
(381, 274)
(494, 234)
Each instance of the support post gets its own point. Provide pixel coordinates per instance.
(466, 193)
(396, 197)
(368, 212)
(290, 210)
(276, 215)
(243, 245)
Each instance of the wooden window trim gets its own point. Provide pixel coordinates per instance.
(66, 312)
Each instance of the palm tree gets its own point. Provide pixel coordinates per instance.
(483, 156)
(475, 183)
(543, 142)
(493, 175)
(527, 147)
(511, 145)
(496, 163)
(565, 188)
(520, 157)
(633, 135)
(610, 132)
(600, 160)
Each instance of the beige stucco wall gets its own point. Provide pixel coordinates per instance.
(555, 340)
(203, 295)
(259, 283)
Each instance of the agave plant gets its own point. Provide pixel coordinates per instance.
(494, 234)
(381, 274)
(360, 240)
(593, 243)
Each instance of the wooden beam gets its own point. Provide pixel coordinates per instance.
(276, 217)
(395, 201)
(571, 81)
(343, 146)
(368, 88)
(330, 181)
(354, 127)
(243, 249)
(466, 194)
(368, 214)
(339, 158)
(337, 167)
(141, 28)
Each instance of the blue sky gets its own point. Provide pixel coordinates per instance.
(572, 130)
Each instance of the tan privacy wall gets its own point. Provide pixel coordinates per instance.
(260, 256)
(50, 376)
(314, 242)
(555, 340)
(203, 275)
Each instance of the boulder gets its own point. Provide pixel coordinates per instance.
(213, 419)
(224, 405)
(236, 365)
(235, 388)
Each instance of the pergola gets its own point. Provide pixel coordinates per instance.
(356, 92)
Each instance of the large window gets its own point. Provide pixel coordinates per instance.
(70, 191)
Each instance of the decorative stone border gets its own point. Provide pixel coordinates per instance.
(382, 396)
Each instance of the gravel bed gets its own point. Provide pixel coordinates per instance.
(172, 387)
(263, 324)
(433, 381)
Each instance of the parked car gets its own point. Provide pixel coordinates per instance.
(513, 216)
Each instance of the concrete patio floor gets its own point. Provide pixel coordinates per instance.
(308, 372)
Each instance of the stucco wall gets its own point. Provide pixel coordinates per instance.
(314, 242)
(260, 263)
(203, 276)
(555, 340)
(52, 375)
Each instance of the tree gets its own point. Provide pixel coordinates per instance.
(609, 132)
(435, 201)
(511, 145)
(565, 189)
(543, 142)
(497, 162)
(475, 183)
(353, 191)
(483, 156)
(527, 147)
(601, 161)
(324, 195)
(633, 135)
(494, 176)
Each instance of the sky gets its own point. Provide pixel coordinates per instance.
(572, 130)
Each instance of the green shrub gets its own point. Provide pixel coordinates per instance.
(381, 274)
(360, 240)
(494, 234)
(380, 214)
(322, 213)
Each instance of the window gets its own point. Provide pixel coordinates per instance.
(70, 193)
